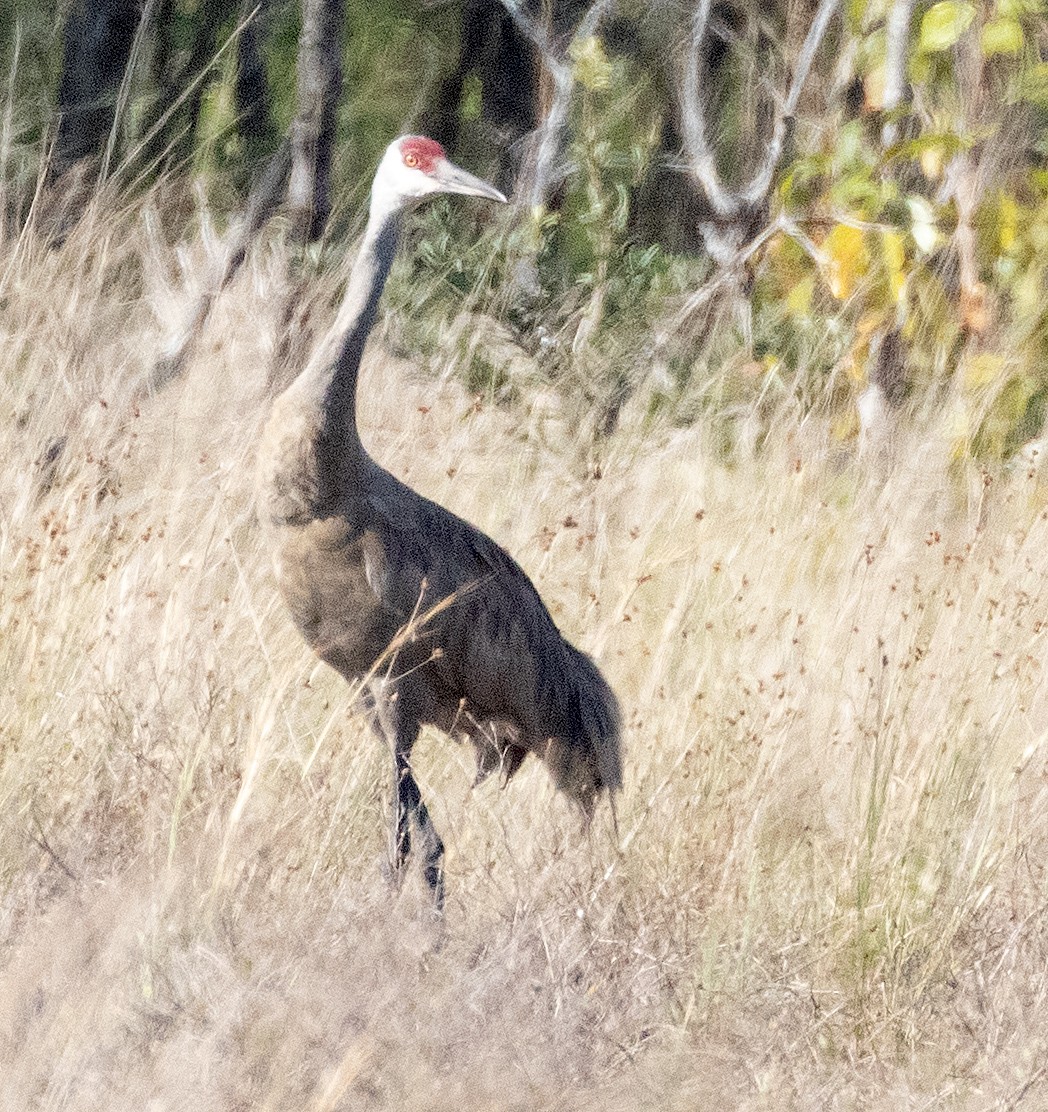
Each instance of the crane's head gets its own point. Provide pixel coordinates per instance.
(414, 167)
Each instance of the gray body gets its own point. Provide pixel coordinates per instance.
(387, 585)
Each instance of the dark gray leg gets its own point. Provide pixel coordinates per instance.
(400, 723)
(410, 805)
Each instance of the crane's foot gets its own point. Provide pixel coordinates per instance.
(429, 847)
(434, 874)
(412, 811)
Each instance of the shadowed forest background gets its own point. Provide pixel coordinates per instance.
(751, 378)
(720, 208)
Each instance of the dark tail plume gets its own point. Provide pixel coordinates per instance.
(586, 758)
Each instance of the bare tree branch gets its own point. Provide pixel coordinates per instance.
(549, 138)
(900, 15)
(693, 122)
(702, 162)
(262, 202)
(728, 274)
(761, 183)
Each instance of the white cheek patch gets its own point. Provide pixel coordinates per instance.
(404, 181)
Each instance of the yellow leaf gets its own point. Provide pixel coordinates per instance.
(845, 425)
(855, 368)
(1007, 221)
(592, 68)
(798, 300)
(983, 369)
(1029, 294)
(1003, 35)
(873, 88)
(943, 24)
(895, 262)
(931, 160)
(859, 356)
(846, 259)
(894, 250)
(868, 323)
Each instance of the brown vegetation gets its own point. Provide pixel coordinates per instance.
(829, 889)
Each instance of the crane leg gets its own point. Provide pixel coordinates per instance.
(411, 806)
(399, 712)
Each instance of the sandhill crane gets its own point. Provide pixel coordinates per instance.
(360, 557)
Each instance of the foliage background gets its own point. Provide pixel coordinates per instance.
(937, 237)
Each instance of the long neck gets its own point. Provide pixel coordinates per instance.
(330, 381)
(311, 458)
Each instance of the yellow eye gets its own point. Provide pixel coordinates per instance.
(411, 160)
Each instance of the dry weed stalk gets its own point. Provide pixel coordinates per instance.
(830, 892)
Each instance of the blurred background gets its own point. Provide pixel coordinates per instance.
(719, 207)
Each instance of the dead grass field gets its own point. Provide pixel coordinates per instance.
(829, 889)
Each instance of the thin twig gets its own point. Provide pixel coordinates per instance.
(761, 183)
(124, 93)
(39, 839)
(702, 161)
(1020, 1094)
(132, 157)
(550, 132)
(626, 842)
(897, 33)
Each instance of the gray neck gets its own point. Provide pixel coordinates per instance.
(329, 383)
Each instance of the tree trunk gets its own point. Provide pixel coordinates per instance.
(897, 51)
(313, 129)
(98, 38)
(184, 45)
(253, 100)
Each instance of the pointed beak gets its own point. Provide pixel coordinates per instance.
(453, 179)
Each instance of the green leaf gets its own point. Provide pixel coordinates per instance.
(982, 370)
(799, 298)
(471, 100)
(1002, 36)
(1033, 85)
(1020, 7)
(592, 68)
(943, 24)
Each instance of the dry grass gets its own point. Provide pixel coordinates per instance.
(831, 887)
